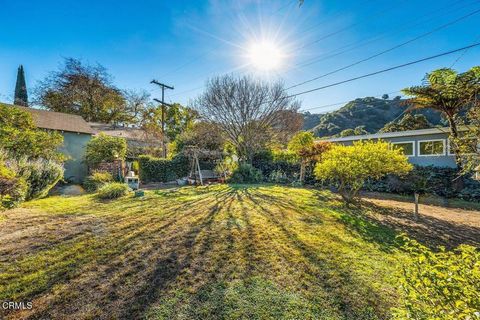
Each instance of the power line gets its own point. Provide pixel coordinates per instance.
(389, 49)
(275, 12)
(202, 55)
(378, 13)
(462, 54)
(384, 70)
(362, 43)
(376, 55)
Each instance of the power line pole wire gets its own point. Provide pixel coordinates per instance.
(163, 105)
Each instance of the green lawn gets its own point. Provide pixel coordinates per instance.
(258, 252)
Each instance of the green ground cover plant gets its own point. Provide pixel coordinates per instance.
(443, 285)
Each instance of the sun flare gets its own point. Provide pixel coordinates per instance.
(265, 56)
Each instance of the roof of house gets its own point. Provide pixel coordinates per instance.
(386, 135)
(132, 134)
(57, 120)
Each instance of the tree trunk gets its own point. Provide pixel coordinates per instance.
(458, 182)
(302, 171)
(454, 134)
(417, 196)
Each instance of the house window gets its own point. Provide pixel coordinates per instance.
(408, 148)
(431, 147)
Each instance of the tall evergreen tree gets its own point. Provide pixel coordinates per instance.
(21, 96)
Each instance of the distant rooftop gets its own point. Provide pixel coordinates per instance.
(56, 120)
(387, 135)
(128, 133)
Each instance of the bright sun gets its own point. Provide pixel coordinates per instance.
(265, 56)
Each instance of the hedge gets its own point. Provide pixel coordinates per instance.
(162, 170)
(280, 169)
(440, 181)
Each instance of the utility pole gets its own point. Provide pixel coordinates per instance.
(162, 104)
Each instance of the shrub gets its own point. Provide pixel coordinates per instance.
(162, 170)
(20, 137)
(348, 167)
(13, 189)
(280, 176)
(278, 167)
(97, 180)
(440, 285)
(113, 190)
(246, 173)
(105, 148)
(40, 176)
(136, 166)
(24, 179)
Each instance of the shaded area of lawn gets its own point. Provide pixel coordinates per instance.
(213, 252)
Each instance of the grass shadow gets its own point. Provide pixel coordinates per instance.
(330, 274)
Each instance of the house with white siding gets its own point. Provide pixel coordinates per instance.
(423, 147)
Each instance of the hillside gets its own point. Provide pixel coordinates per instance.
(310, 120)
(373, 113)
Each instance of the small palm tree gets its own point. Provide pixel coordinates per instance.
(448, 92)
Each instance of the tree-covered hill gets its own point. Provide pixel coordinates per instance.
(310, 120)
(371, 113)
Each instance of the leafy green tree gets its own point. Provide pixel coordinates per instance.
(178, 119)
(169, 125)
(20, 137)
(348, 167)
(84, 90)
(385, 96)
(408, 122)
(21, 96)
(301, 143)
(360, 130)
(105, 148)
(443, 285)
(347, 133)
(468, 141)
(448, 92)
(204, 135)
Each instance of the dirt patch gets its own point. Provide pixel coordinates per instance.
(24, 232)
(435, 225)
(454, 215)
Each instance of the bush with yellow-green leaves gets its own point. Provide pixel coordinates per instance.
(13, 189)
(443, 285)
(348, 167)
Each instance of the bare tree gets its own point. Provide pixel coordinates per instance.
(247, 110)
(286, 125)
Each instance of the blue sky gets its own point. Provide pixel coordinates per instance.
(183, 43)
